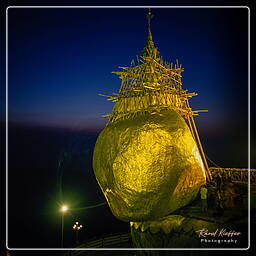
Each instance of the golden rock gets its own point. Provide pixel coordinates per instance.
(148, 166)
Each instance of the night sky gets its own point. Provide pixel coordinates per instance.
(59, 60)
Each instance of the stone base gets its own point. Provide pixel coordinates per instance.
(176, 231)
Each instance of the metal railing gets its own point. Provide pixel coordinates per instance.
(108, 242)
(112, 241)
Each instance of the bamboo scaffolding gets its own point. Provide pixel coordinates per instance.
(195, 135)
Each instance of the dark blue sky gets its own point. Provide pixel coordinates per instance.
(61, 59)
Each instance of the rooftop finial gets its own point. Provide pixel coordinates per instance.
(150, 16)
(149, 49)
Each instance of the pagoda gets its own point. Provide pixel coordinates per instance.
(150, 85)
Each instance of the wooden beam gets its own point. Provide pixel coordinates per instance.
(208, 174)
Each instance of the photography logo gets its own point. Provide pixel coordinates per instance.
(218, 236)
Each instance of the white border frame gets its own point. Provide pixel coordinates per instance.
(130, 249)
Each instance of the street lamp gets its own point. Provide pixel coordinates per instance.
(77, 227)
(63, 209)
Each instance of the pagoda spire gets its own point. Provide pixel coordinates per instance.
(149, 49)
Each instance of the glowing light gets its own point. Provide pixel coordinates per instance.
(77, 226)
(64, 208)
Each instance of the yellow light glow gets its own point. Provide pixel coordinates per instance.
(64, 208)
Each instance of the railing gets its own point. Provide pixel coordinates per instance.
(110, 241)
(234, 174)
(113, 241)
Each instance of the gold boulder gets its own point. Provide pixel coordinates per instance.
(148, 166)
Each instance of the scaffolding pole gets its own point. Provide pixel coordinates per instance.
(197, 139)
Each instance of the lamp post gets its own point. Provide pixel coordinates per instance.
(63, 209)
(77, 227)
